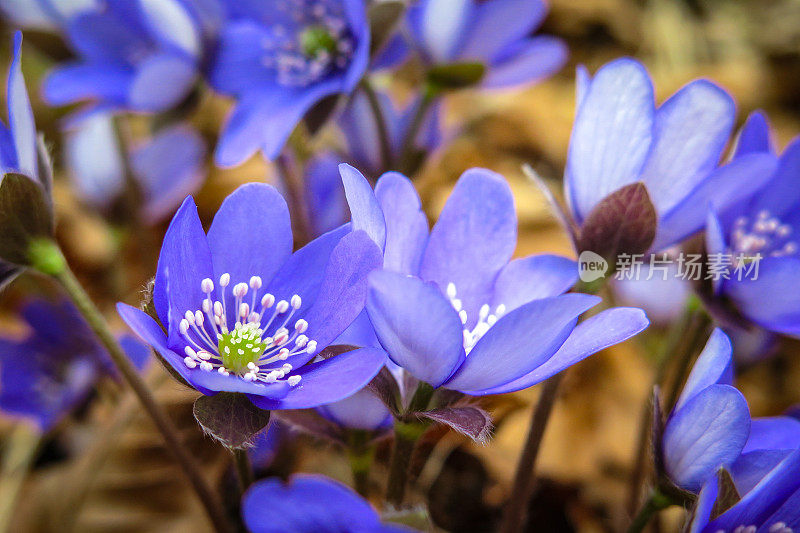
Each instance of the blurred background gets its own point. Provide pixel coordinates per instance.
(125, 481)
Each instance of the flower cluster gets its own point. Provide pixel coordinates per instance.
(341, 300)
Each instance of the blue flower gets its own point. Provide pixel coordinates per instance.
(494, 33)
(52, 370)
(278, 60)
(137, 56)
(165, 168)
(453, 310)
(763, 223)
(324, 191)
(43, 14)
(309, 504)
(771, 506)
(242, 313)
(710, 424)
(620, 137)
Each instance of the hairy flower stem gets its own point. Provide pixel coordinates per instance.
(514, 514)
(360, 455)
(50, 260)
(380, 124)
(406, 435)
(244, 470)
(296, 196)
(685, 336)
(405, 162)
(655, 503)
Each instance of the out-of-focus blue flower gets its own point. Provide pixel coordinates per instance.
(166, 168)
(620, 137)
(771, 506)
(244, 314)
(44, 14)
(662, 296)
(764, 223)
(362, 150)
(18, 144)
(309, 504)
(710, 423)
(266, 445)
(278, 59)
(494, 33)
(453, 310)
(50, 371)
(137, 56)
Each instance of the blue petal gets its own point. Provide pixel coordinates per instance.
(251, 234)
(751, 467)
(690, 131)
(714, 366)
(171, 24)
(473, 239)
(440, 26)
(325, 193)
(707, 433)
(754, 135)
(723, 187)
(356, 12)
(343, 291)
(302, 272)
(168, 167)
(582, 82)
(757, 505)
(611, 136)
(71, 82)
(704, 505)
(150, 332)
(265, 117)
(360, 129)
(502, 22)
(527, 61)
(104, 38)
(605, 329)
(406, 223)
(520, 342)
(781, 195)
(328, 381)
(20, 115)
(416, 325)
(767, 300)
(184, 261)
(360, 333)
(662, 299)
(363, 410)
(161, 82)
(138, 353)
(94, 159)
(238, 64)
(308, 504)
(365, 212)
(534, 277)
(776, 433)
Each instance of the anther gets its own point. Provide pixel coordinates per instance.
(294, 380)
(282, 306)
(207, 286)
(255, 282)
(296, 301)
(224, 279)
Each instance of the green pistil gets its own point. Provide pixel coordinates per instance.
(240, 347)
(316, 39)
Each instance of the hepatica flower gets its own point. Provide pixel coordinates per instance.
(26, 206)
(710, 424)
(494, 34)
(278, 59)
(309, 504)
(772, 506)
(138, 56)
(762, 228)
(451, 307)
(52, 370)
(621, 138)
(243, 314)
